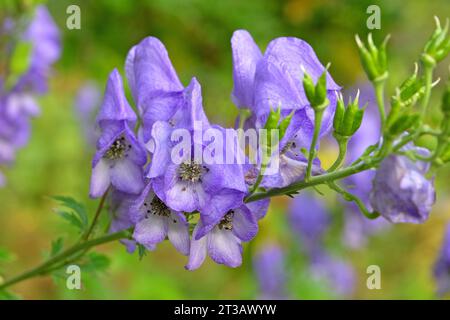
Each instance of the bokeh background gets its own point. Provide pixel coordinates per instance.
(197, 36)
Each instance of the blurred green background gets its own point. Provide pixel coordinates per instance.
(197, 36)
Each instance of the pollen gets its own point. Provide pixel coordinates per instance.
(227, 221)
(190, 171)
(118, 149)
(157, 207)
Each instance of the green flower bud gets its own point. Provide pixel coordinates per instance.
(347, 120)
(273, 119)
(316, 94)
(308, 86)
(438, 47)
(373, 59)
(284, 124)
(339, 114)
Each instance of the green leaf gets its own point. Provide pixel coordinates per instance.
(57, 246)
(78, 214)
(96, 262)
(6, 295)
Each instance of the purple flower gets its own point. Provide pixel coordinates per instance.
(119, 208)
(87, 101)
(222, 241)
(442, 266)
(338, 274)
(156, 89)
(120, 157)
(270, 269)
(44, 36)
(401, 192)
(310, 220)
(155, 221)
(274, 79)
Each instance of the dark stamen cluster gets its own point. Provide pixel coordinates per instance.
(118, 149)
(157, 207)
(190, 171)
(227, 221)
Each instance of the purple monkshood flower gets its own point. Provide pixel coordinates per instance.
(270, 270)
(120, 157)
(155, 221)
(442, 266)
(43, 34)
(119, 209)
(223, 241)
(156, 89)
(339, 275)
(262, 82)
(401, 193)
(310, 220)
(87, 101)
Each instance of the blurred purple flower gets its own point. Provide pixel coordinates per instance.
(120, 157)
(222, 241)
(87, 101)
(43, 34)
(401, 192)
(309, 220)
(442, 266)
(269, 266)
(339, 275)
(155, 221)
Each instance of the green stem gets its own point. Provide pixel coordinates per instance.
(428, 74)
(45, 267)
(314, 181)
(379, 92)
(342, 142)
(312, 148)
(96, 216)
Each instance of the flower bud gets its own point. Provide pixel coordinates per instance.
(373, 59)
(347, 120)
(438, 47)
(316, 94)
(403, 123)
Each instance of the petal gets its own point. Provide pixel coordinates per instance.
(115, 106)
(224, 247)
(161, 157)
(179, 233)
(197, 252)
(127, 176)
(295, 53)
(153, 72)
(100, 179)
(246, 56)
(129, 71)
(137, 210)
(151, 230)
(245, 226)
(258, 208)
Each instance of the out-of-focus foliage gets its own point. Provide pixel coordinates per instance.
(197, 35)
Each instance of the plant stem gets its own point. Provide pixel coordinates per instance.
(45, 267)
(342, 142)
(96, 216)
(312, 148)
(428, 74)
(379, 93)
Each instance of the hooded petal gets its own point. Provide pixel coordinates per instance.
(198, 251)
(161, 157)
(224, 247)
(115, 106)
(179, 232)
(151, 230)
(100, 179)
(246, 56)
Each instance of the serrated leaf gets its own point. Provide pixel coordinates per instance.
(78, 215)
(57, 246)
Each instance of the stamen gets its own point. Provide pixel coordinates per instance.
(191, 171)
(227, 221)
(117, 149)
(158, 207)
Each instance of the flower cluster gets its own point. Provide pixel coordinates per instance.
(163, 167)
(26, 76)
